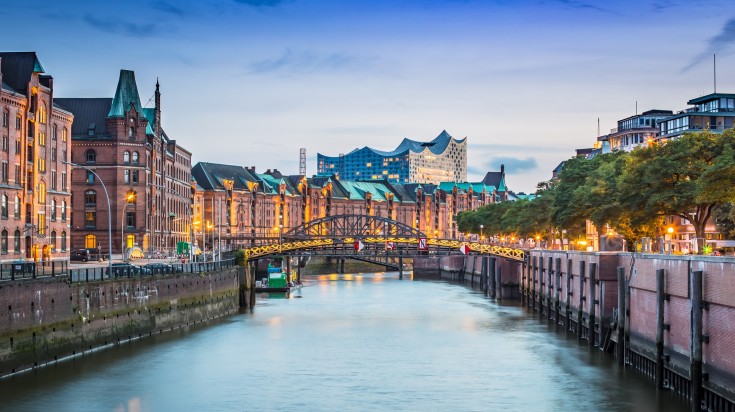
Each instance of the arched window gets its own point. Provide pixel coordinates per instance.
(42, 192)
(4, 207)
(4, 242)
(53, 241)
(90, 198)
(126, 157)
(131, 132)
(91, 156)
(16, 207)
(16, 242)
(63, 134)
(90, 241)
(55, 132)
(90, 177)
(63, 241)
(135, 158)
(42, 114)
(63, 210)
(53, 209)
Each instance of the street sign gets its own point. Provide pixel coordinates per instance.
(464, 249)
(390, 245)
(359, 246)
(423, 245)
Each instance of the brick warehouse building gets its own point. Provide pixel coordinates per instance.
(147, 175)
(34, 190)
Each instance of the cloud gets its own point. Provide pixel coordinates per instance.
(476, 171)
(580, 5)
(512, 164)
(167, 8)
(124, 28)
(302, 61)
(722, 41)
(519, 148)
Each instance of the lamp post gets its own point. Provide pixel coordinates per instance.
(481, 227)
(128, 199)
(280, 238)
(670, 231)
(109, 213)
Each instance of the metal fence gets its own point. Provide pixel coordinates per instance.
(33, 270)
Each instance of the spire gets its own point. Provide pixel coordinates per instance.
(125, 95)
(157, 113)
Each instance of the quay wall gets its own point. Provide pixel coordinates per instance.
(44, 320)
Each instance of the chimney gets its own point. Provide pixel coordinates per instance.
(502, 169)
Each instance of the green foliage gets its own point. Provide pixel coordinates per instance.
(240, 257)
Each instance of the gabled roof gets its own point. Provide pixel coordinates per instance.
(477, 187)
(126, 93)
(89, 113)
(496, 180)
(17, 68)
(210, 176)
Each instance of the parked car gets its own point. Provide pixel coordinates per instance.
(80, 255)
(125, 269)
(160, 268)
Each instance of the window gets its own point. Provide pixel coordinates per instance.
(90, 198)
(126, 178)
(63, 181)
(16, 242)
(63, 241)
(6, 143)
(6, 119)
(53, 155)
(4, 172)
(135, 177)
(4, 207)
(4, 242)
(54, 133)
(131, 132)
(91, 156)
(135, 158)
(16, 207)
(129, 241)
(126, 157)
(42, 139)
(90, 219)
(17, 146)
(41, 228)
(130, 219)
(63, 137)
(90, 241)
(63, 210)
(53, 209)
(18, 122)
(42, 192)
(42, 114)
(41, 165)
(52, 241)
(53, 180)
(63, 155)
(90, 177)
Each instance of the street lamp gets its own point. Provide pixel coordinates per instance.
(129, 199)
(109, 214)
(670, 231)
(481, 227)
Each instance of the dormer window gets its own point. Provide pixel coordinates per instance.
(91, 129)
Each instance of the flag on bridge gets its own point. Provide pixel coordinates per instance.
(464, 249)
(359, 245)
(390, 245)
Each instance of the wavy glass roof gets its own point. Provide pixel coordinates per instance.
(436, 146)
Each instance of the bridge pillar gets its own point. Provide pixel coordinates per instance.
(400, 267)
(498, 283)
(491, 276)
(483, 275)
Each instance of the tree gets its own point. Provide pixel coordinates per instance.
(685, 177)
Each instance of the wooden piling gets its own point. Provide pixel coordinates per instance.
(483, 274)
(534, 269)
(696, 336)
(541, 284)
(568, 298)
(592, 302)
(493, 280)
(660, 299)
(580, 308)
(400, 267)
(620, 345)
(549, 286)
(498, 284)
(557, 286)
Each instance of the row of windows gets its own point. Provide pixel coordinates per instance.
(17, 237)
(91, 157)
(4, 208)
(42, 117)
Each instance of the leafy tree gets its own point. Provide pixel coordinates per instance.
(724, 215)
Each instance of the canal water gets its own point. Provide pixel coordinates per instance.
(362, 342)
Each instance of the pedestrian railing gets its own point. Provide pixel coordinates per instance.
(33, 270)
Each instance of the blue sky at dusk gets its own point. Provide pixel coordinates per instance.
(249, 82)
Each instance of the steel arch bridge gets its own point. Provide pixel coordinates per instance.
(342, 231)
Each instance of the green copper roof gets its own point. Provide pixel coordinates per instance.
(126, 93)
(37, 68)
(150, 114)
(464, 186)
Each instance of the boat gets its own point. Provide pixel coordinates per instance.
(277, 281)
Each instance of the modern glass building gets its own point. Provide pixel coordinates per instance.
(440, 160)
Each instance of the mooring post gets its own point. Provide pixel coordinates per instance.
(534, 269)
(568, 298)
(580, 308)
(620, 346)
(660, 299)
(549, 286)
(592, 305)
(498, 283)
(483, 274)
(696, 336)
(542, 284)
(400, 267)
(557, 286)
(298, 269)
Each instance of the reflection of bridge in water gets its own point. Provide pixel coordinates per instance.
(381, 241)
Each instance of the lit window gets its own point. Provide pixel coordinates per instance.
(90, 241)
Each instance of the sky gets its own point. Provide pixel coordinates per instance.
(250, 82)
